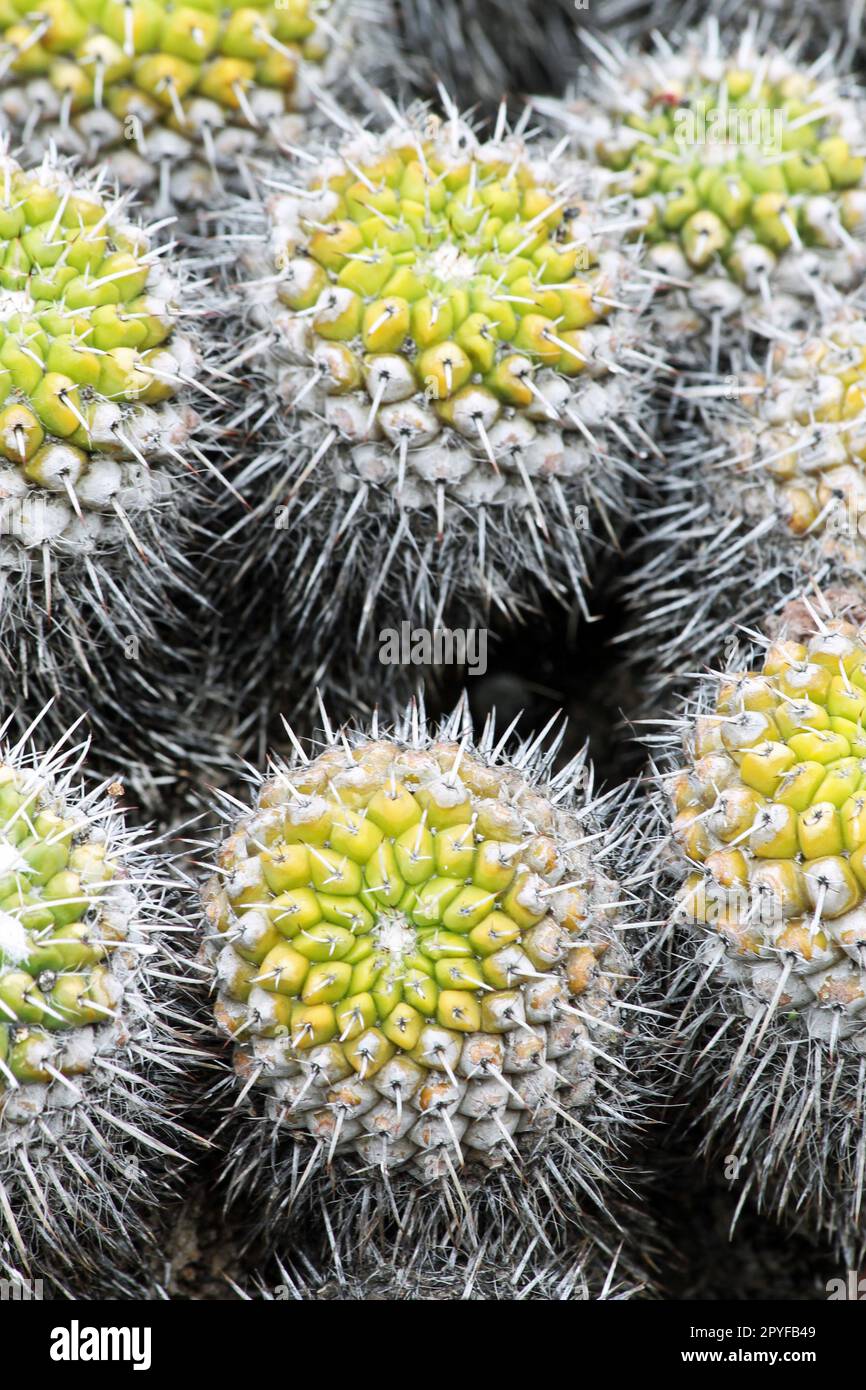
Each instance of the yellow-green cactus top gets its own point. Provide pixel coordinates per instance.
(440, 281)
(403, 933)
(89, 357)
(771, 814)
(738, 158)
(58, 933)
(754, 146)
(143, 58)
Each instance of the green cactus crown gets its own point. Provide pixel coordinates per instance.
(443, 280)
(75, 319)
(405, 938)
(705, 203)
(382, 908)
(143, 58)
(89, 359)
(742, 157)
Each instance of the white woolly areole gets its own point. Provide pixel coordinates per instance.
(15, 302)
(396, 934)
(448, 262)
(447, 794)
(247, 874)
(99, 484)
(11, 860)
(13, 939)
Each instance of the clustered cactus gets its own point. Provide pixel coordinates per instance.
(765, 493)
(404, 363)
(746, 169)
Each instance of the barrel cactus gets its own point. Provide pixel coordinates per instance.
(765, 491)
(747, 169)
(418, 966)
(172, 97)
(442, 418)
(90, 1054)
(769, 886)
(96, 383)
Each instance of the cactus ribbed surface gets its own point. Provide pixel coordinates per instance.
(171, 96)
(769, 918)
(90, 1058)
(98, 515)
(802, 435)
(446, 415)
(746, 168)
(764, 492)
(417, 958)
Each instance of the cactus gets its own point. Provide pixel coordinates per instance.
(769, 921)
(587, 1273)
(452, 381)
(97, 516)
(89, 1054)
(418, 966)
(488, 48)
(171, 98)
(765, 490)
(747, 172)
(802, 435)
